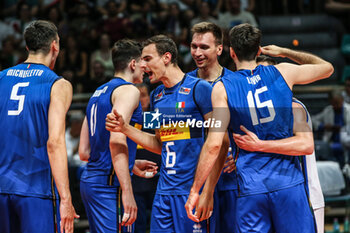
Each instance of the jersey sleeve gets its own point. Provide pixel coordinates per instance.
(202, 97)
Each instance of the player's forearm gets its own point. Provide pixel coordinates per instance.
(146, 140)
(215, 173)
(294, 146)
(120, 159)
(302, 57)
(59, 167)
(206, 162)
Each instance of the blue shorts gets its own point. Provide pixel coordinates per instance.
(103, 208)
(227, 211)
(286, 210)
(28, 214)
(169, 215)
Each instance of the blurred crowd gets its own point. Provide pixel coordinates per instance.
(87, 29)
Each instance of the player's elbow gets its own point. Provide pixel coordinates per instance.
(308, 148)
(84, 155)
(214, 148)
(53, 144)
(328, 69)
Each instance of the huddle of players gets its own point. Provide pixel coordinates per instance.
(255, 198)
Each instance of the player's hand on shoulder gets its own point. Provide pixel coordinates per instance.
(115, 122)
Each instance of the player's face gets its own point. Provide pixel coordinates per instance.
(152, 63)
(204, 50)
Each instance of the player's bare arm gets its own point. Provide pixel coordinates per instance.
(311, 68)
(211, 147)
(206, 199)
(61, 97)
(151, 142)
(301, 143)
(125, 100)
(84, 143)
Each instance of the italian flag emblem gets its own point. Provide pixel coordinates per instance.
(180, 105)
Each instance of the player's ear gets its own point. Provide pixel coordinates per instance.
(259, 51)
(167, 58)
(132, 65)
(219, 49)
(232, 53)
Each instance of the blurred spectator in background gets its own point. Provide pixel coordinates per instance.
(98, 76)
(103, 55)
(144, 189)
(346, 92)
(329, 122)
(24, 17)
(115, 25)
(234, 15)
(8, 56)
(144, 18)
(55, 15)
(204, 14)
(102, 7)
(83, 26)
(73, 64)
(75, 121)
(248, 5)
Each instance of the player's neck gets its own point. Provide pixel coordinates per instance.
(39, 59)
(127, 76)
(246, 65)
(172, 76)
(210, 73)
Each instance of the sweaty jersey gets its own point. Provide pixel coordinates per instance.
(227, 181)
(99, 169)
(182, 109)
(24, 105)
(261, 100)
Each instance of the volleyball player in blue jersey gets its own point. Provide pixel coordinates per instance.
(206, 47)
(33, 157)
(105, 181)
(181, 98)
(261, 99)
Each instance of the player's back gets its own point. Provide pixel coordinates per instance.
(24, 104)
(261, 100)
(99, 168)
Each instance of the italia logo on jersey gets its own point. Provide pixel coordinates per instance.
(185, 90)
(179, 107)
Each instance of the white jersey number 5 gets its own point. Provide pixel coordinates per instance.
(266, 104)
(19, 98)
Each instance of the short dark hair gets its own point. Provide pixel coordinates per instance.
(205, 27)
(245, 41)
(267, 59)
(39, 35)
(163, 45)
(123, 52)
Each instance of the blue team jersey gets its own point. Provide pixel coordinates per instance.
(181, 107)
(99, 169)
(261, 100)
(227, 181)
(24, 105)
